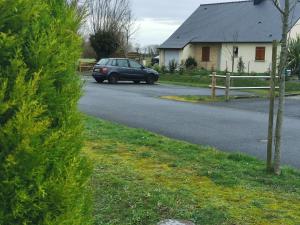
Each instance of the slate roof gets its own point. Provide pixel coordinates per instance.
(240, 22)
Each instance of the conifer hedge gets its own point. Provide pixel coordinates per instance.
(43, 175)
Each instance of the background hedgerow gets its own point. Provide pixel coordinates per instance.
(43, 175)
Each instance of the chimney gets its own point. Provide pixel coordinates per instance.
(257, 2)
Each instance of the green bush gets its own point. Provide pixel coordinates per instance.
(294, 56)
(156, 67)
(173, 66)
(43, 175)
(105, 43)
(191, 63)
(163, 69)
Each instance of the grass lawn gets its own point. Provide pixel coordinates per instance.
(140, 178)
(202, 79)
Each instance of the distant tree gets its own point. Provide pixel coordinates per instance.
(151, 50)
(105, 43)
(111, 18)
(88, 50)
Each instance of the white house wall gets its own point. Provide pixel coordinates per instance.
(188, 51)
(295, 31)
(161, 57)
(247, 52)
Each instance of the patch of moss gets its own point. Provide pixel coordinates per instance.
(147, 178)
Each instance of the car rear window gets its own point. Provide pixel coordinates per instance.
(134, 64)
(103, 62)
(122, 62)
(113, 62)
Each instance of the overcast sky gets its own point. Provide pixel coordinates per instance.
(158, 19)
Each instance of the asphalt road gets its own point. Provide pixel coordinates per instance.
(238, 126)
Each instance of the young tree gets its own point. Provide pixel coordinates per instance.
(241, 66)
(43, 175)
(232, 50)
(285, 12)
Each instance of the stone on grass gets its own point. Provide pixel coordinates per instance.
(175, 222)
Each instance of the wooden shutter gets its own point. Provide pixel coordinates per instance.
(260, 53)
(205, 54)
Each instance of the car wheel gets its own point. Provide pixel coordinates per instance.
(136, 81)
(99, 81)
(113, 79)
(150, 80)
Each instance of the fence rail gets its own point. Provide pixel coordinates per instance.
(228, 86)
(86, 66)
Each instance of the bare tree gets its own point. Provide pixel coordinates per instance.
(106, 15)
(112, 16)
(151, 50)
(232, 51)
(129, 30)
(285, 12)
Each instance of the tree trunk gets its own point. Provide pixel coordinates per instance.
(271, 107)
(281, 71)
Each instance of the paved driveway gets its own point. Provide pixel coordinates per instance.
(237, 126)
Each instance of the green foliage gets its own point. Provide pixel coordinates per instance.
(294, 56)
(172, 66)
(105, 43)
(156, 67)
(163, 69)
(181, 70)
(141, 178)
(43, 176)
(191, 63)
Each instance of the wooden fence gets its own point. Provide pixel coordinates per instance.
(228, 82)
(86, 66)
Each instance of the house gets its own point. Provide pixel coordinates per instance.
(218, 35)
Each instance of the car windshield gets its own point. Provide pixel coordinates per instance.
(103, 62)
(134, 64)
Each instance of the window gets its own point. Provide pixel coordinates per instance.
(260, 54)
(122, 62)
(134, 64)
(103, 62)
(235, 52)
(113, 62)
(205, 54)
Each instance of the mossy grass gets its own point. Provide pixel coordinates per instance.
(141, 178)
(203, 99)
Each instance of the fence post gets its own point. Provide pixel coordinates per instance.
(213, 85)
(227, 94)
(271, 107)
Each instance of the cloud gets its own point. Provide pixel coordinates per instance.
(158, 19)
(154, 30)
